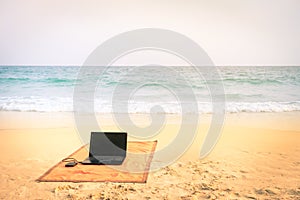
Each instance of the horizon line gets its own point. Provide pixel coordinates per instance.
(69, 65)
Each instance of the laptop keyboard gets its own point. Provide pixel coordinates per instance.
(107, 158)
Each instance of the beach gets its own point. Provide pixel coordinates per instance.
(256, 157)
(198, 100)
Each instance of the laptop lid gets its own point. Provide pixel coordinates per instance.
(108, 144)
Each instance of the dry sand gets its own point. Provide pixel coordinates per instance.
(257, 157)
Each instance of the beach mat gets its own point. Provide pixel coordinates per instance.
(138, 162)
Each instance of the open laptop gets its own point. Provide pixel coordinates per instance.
(107, 148)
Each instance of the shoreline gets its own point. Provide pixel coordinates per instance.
(288, 120)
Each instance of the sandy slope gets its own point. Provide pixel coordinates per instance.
(257, 157)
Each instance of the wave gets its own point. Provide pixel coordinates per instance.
(61, 104)
(253, 81)
(11, 79)
(37, 80)
(237, 107)
(58, 80)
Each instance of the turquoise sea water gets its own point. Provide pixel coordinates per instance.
(247, 89)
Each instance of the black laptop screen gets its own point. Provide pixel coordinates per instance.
(108, 144)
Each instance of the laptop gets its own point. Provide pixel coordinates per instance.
(107, 148)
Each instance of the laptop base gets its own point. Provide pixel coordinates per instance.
(89, 161)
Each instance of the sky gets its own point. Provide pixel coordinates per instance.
(232, 32)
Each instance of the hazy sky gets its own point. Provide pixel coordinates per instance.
(232, 32)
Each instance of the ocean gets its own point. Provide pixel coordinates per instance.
(247, 89)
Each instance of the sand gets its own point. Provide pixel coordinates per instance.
(257, 157)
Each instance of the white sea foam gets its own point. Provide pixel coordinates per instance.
(59, 104)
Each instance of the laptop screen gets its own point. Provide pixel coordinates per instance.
(108, 144)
